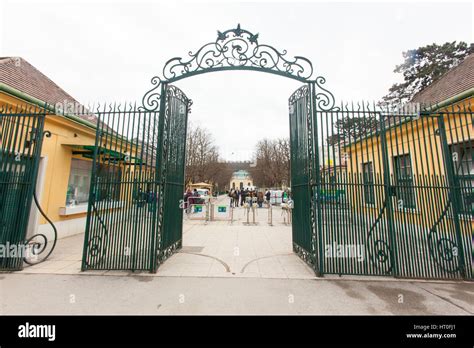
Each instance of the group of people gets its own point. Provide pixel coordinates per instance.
(239, 197)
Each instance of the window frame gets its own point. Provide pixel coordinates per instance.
(368, 194)
(461, 177)
(100, 196)
(401, 187)
(69, 183)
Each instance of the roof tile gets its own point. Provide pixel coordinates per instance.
(452, 83)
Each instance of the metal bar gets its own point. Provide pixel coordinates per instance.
(316, 164)
(388, 198)
(453, 194)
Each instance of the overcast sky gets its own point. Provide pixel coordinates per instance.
(108, 51)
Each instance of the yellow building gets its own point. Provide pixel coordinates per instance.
(419, 148)
(65, 165)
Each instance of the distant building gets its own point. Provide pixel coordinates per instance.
(241, 179)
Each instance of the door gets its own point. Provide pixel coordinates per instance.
(134, 219)
(303, 176)
(174, 153)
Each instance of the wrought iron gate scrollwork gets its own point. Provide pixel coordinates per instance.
(388, 235)
(237, 49)
(304, 223)
(97, 243)
(324, 99)
(170, 131)
(443, 249)
(37, 248)
(380, 252)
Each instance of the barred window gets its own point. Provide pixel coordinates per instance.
(80, 178)
(463, 161)
(405, 190)
(369, 190)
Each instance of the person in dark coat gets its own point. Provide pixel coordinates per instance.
(231, 196)
(239, 193)
(260, 199)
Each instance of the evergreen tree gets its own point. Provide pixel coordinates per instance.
(423, 66)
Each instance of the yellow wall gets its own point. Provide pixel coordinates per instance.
(63, 132)
(419, 139)
(59, 161)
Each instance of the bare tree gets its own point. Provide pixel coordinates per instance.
(202, 158)
(272, 157)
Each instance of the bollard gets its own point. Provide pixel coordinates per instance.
(212, 211)
(248, 213)
(207, 212)
(290, 204)
(270, 214)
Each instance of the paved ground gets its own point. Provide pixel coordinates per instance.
(222, 269)
(214, 249)
(22, 293)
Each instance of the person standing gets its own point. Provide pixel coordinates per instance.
(285, 196)
(267, 196)
(260, 199)
(236, 198)
(231, 196)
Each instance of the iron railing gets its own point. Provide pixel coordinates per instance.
(21, 136)
(407, 188)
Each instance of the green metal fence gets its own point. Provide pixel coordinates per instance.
(395, 195)
(134, 220)
(21, 135)
(302, 176)
(177, 108)
(121, 224)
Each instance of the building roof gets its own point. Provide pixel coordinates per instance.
(24, 77)
(241, 174)
(455, 81)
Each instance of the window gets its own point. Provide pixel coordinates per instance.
(405, 190)
(109, 179)
(79, 182)
(463, 161)
(80, 178)
(369, 191)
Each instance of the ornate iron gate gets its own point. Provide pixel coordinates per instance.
(137, 179)
(305, 242)
(174, 151)
(21, 136)
(396, 192)
(376, 192)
